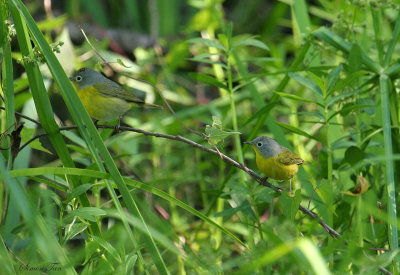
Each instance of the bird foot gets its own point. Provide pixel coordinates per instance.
(117, 127)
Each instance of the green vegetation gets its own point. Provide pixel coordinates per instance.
(172, 192)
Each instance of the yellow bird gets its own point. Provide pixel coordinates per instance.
(103, 98)
(274, 160)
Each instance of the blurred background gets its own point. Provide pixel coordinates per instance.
(306, 73)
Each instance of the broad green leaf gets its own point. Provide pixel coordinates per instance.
(250, 41)
(75, 229)
(215, 132)
(353, 155)
(290, 205)
(307, 83)
(86, 213)
(333, 76)
(355, 58)
(27, 134)
(217, 135)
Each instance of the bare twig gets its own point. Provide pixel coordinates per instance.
(229, 160)
(159, 92)
(24, 116)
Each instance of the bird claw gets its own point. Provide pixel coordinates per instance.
(117, 127)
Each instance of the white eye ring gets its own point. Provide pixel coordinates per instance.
(259, 144)
(78, 78)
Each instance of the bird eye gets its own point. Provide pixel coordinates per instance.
(78, 78)
(259, 144)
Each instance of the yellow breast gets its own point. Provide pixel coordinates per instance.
(101, 107)
(273, 168)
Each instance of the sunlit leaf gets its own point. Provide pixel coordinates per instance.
(215, 132)
(27, 134)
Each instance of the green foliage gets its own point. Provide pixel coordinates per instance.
(321, 78)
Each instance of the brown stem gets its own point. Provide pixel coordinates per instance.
(229, 160)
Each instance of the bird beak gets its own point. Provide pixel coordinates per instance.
(72, 78)
(247, 142)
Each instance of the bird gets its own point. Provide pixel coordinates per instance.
(103, 98)
(274, 160)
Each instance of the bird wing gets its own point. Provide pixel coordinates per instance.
(114, 90)
(287, 157)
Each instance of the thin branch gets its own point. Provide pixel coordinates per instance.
(24, 116)
(229, 160)
(159, 92)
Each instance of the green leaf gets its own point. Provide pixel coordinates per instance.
(215, 132)
(353, 155)
(78, 191)
(108, 247)
(238, 188)
(245, 208)
(208, 80)
(90, 249)
(250, 41)
(355, 58)
(86, 213)
(290, 205)
(297, 130)
(27, 134)
(74, 230)
(206, 42)
(301, 17)
(367, 101)
(333, 76)
(51, 24)
(298, 98)
(130, 261)
(325, 192)
(307, 83)
(343, 96)
(347, 108)
(346, 83)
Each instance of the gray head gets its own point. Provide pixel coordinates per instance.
(267, 146)
(87, 77)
